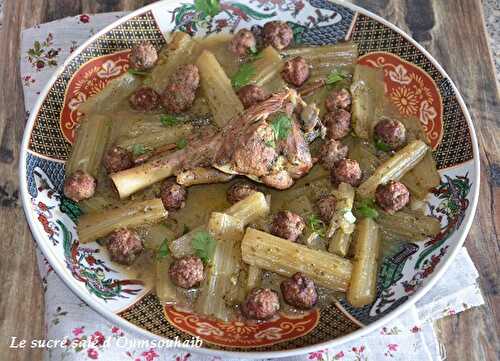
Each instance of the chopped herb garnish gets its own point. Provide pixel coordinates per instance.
(204, 246)
(334, 77)
(138, 149)
(281, 125)
(181, 143)
(137, 72)
(207, 7)
(254, 54)
(367, 209)
(380, 145)
(316, 225)
(243, 75)
(163, 250)
(168, 120)
(270, 143)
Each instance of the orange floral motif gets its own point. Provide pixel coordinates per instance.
(89, 80)
(240, 334)
(412, 91)
(405, 100)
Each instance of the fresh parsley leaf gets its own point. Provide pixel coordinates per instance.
(207, 7)
(204, 246)
(334, 77)
(163, 250)
(316, 225)
(138, 149)
(181, 143)
(254, 54)
(367, 209)
(168, 120)
(243, 75)
(380, 145)
(270, 143)
(281, 125)
(137, 72)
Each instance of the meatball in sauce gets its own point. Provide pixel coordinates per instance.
(346, 171)
(251, 94)
(261, 304)
(173, 195)
(299, 291)
(287, 225)
(277, 34)
(143, 56)
(124, 246)
(186, 272)
(392, 197)
(79, 186)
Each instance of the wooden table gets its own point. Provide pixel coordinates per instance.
(452, 30)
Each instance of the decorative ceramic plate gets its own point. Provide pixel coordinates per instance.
(415, 83)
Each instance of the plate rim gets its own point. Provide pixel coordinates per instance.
(116, 319)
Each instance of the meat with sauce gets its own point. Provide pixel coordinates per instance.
(277, 34)
(337, 123)
(261, 304)
(180, 92)
(338, 99)
(325, 206)
(143, 56)
(299, 291)
(144, 99)
(239, 191)
(392, 197)
(331, 152)
(295, 71)
(117, 159)
(346, 171)
(251, 94)
(243, 43)
(186, 272)
(79, 186)
(172, 195)
(391, 132)
(287, 225)
(124, 246)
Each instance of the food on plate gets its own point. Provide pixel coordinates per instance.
(249, 176)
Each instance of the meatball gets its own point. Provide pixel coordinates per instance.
(144, 99)
(143, 56)
(338, 123)
(346, 171)
(331, 152)
(261, 304)
(338, 99)
(239, 191)
(186, 272)
(177, 97)
(277, 34)
(299, 291)
(326, 207)
(251, 95)
(124, 246)
(79, 186)
(287, 225)
(188, 75)
(295, 71)
(172, 195)
(391, 132)
(117, 159)
(392, 197)
(243, 43)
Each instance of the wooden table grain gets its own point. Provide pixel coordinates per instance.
(452, 30)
